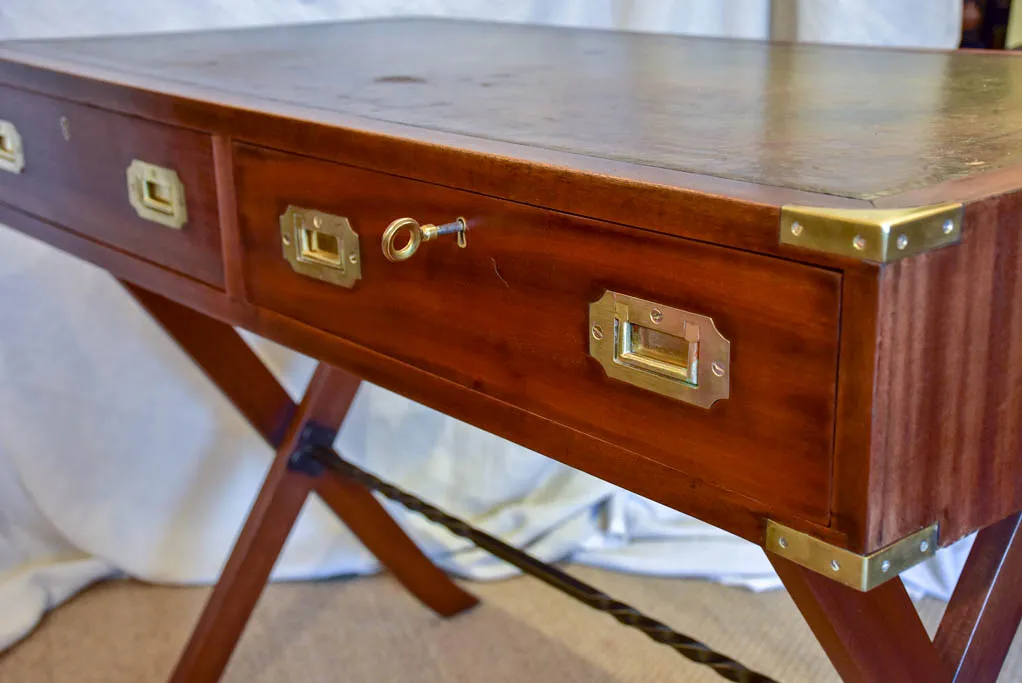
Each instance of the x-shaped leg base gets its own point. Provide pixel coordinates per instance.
(229, 362)
(874, 637)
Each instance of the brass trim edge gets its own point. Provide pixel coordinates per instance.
(879, 235)
(12, 151)
(861, 572)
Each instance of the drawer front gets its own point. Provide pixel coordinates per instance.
(76, 160)
(508, 315)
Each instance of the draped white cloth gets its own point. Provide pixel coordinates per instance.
(117, 457)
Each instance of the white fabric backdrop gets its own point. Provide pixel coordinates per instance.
(117, 456)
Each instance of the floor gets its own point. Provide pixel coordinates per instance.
(369, 630)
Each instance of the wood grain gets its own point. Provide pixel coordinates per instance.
(252, 389)
(355, 505)
(227, 360)
(723, 211)
(81, 183)
(266, 529)
(738, 514)
(947, 434)
(223, 172)
(874, 637)
(984, 612)
(508, 316)
(796, 116)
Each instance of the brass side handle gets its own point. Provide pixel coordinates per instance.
(12, 152)
(417, 234)
(666, 350)
(320, 245)
(157, 194)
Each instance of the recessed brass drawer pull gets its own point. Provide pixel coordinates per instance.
(417, 234)
(659, 348)
(320, 245)
(12, 154)
(157, 194)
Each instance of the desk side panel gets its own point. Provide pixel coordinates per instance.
(948, 444)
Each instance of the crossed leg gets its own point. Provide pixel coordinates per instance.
(877, 637)
(873, 637)
(229, 362)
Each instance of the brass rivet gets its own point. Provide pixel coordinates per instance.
(656, 315)
(65, 128)
(834, 565)
(948, 227)
(286, 239)
(796, 228)
(902, 242)
(924, 546)
(885, 566)
(352, 258)
(783, 542)
(597, 332)
(717, 368)
(859, 242)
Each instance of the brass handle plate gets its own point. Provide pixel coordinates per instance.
(659, 348)
(12, 153)
(321, 246)
(157, 194)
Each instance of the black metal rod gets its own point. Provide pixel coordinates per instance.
(581, 591)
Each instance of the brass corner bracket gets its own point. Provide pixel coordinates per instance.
(880, 235)
(861, 572)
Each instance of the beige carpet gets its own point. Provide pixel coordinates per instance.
(370, 631)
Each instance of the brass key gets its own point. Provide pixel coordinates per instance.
(417, 234)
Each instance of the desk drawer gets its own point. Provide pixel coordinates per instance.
(509, 316)
(75, 174)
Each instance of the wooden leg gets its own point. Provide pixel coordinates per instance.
(369, 521)
(236, 370)
(874, 637)
(984, 612)
(255, 552)
(877, 636)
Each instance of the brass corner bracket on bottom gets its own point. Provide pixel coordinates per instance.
(861, 572)
(880, 235)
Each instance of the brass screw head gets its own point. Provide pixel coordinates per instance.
(286, 239)
(597, 332)
(835, 565)
(656, 315)
(796, 228)
(924, 546)
(317, 222)
(717, 368)
(352, 258)
(859, 242)
(902, 242)
(948, 227)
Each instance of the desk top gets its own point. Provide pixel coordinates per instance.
(852, 122)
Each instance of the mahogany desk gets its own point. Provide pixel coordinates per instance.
(776, 287)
